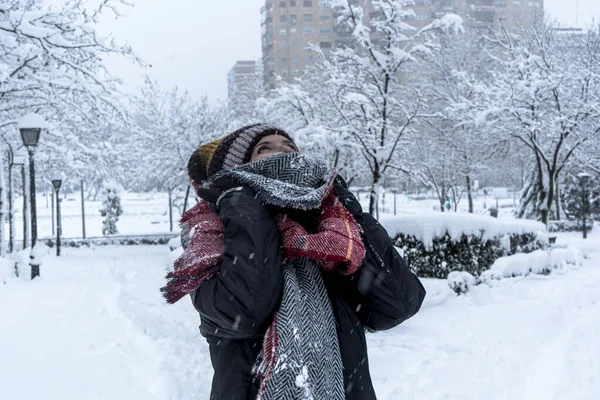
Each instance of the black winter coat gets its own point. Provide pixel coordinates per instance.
(236, 306)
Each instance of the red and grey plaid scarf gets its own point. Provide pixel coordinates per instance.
(337, 245)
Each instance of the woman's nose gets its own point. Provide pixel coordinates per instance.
(285, 149)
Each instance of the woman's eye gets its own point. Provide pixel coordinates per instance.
(262, 149)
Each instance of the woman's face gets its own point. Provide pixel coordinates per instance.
(272, 144)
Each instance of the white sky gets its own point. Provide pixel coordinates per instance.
(194, 43)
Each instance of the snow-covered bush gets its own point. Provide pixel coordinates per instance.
(111, 208)
(461, 282)
(436, 244)
(174, 243)
(125, 240)
(578, 200)
(7, 270)
(569, 226)
(538, 262)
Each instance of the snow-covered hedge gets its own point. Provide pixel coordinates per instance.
(568, 226)
(436, 244)
(541, 262)
(124, 240)
(538, 262)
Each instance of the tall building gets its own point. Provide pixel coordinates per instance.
(244, 84)
(477, 13)
(289, 27)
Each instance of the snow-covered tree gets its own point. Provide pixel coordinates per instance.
(579, 199)
(547, 100)
(52, 62)
(304, 110)
(170, 126)
(454, 145)
(366, 82)
(111, 208)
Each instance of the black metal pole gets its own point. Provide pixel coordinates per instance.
(10, 206)
(35, 268)
(82, 209)
(52, 209)
(170, 211)
(58, 223)
(584, 210)
(25, 220)
(394, 203)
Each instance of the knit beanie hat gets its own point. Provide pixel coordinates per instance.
(229, 151)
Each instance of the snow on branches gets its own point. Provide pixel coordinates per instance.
(548, 96)
(52, 63)
(367, 79)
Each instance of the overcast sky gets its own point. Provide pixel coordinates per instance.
(194, 43)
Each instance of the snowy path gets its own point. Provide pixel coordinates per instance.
(95, 327)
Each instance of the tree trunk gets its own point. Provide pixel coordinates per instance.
(373, 197)
(557, 202)
(537, 199)
(550, 198)
(442, 199)
(336, 158)
(469, 193)
(187, 196)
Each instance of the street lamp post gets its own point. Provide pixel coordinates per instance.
(30, 127)
(82, 209)
(584, 179)
(57, 182)
(485, 193)
(395, 191)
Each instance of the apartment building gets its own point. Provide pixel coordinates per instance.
(244, 84)
(290, 27)
(477, 13)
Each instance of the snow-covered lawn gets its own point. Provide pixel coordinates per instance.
(95, 327)
(145, 213)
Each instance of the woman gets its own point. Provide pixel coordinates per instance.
(286, 272)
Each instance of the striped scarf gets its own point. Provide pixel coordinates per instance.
(300, 358)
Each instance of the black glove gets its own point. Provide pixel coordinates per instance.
(218, 188)
(340, 190)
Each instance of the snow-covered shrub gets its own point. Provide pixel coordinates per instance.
(174, 243)
(569, 226)
(436, 244)
(7, 270)
(538, 262)
(461, 282)
(125, 240)
(111, 208)
(445, 254)
(578, 200)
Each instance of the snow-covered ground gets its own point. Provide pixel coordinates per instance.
(95, 327)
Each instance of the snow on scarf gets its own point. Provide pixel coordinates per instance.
(300, 358)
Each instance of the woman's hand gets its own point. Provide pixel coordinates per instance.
(218, 191)
(340, 190)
